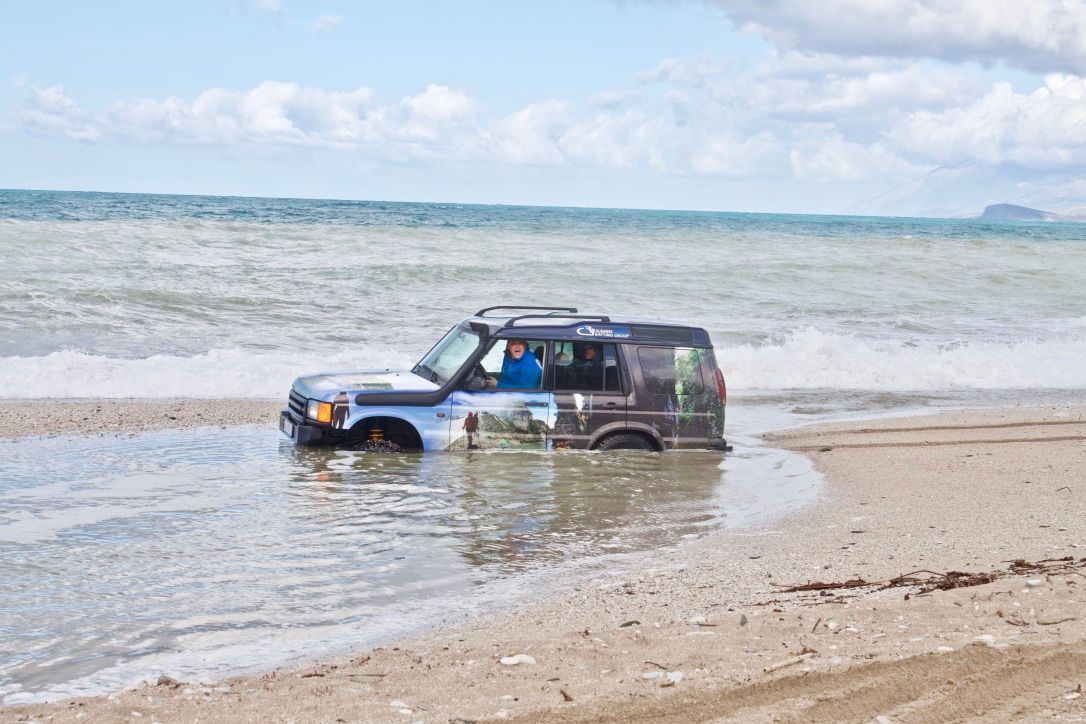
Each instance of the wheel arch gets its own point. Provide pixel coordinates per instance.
(393, 425)
(644, 431)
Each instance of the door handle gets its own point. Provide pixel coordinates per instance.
(535, 404)
(611, 404)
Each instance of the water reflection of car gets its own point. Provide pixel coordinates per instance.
(608, 383)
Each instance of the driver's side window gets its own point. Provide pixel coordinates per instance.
(522, 370)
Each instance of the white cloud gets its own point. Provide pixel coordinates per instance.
(556, 132)
(51, 111)
(273, 113)
(614, 99)
(694, 130)
(438, 123)
(798, 86)
(325, 23)
(1038, 35)
(531, 135)
(736, 156)
(694, 72)
(1045, 128)
(808, 117)
(812, 88)
(833, 159)
(626, 141)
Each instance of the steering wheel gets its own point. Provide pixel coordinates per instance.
(478, 372)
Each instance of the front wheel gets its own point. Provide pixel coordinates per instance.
(625, 441)
(377, 446)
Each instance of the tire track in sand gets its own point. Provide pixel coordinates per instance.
(932, 443)
(964, 684)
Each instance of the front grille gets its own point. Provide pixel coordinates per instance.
(296, 403)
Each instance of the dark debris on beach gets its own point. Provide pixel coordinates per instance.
(925, 581)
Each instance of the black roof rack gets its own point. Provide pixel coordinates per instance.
(579, 317)
(559, 323)
(482, 312)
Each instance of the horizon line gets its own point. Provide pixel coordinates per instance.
(482, 204)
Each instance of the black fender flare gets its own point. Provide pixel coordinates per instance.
(407, 423)
(646, 430)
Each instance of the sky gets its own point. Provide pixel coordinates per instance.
(887, 107)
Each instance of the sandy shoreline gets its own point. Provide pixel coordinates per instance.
(32, 418)
(710, 625)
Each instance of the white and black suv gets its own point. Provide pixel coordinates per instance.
(527, 378)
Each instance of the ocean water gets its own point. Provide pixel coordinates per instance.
(207, 552)
(133, 295)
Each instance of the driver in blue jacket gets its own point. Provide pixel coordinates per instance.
(520, 370)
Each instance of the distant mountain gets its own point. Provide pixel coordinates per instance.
(1011, 212)
(962, 190)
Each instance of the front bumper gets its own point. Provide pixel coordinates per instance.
(302, 434)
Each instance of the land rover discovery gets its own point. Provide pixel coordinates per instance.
(570, 381)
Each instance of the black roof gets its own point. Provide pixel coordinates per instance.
(568, 323)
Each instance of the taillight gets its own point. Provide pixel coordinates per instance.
(720, 388)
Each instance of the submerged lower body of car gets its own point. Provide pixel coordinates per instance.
(489, 420)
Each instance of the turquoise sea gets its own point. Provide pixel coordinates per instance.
(141, 295)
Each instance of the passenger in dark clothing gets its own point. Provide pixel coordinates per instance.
(586, 370)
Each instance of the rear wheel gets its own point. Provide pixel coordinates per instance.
(625, 441)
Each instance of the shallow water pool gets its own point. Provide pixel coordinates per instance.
(206, 552)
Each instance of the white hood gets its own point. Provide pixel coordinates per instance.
(328, 384)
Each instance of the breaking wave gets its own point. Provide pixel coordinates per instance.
(231, 373)
(804, 359)
(813, 359)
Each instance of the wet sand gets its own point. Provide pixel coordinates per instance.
(31, 418)
(708, 633)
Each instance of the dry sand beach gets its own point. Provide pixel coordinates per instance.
(711, 631)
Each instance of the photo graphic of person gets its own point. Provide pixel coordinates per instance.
(471, 426)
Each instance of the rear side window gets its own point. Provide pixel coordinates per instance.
(672, 370)
(671, 334)
(586, 367)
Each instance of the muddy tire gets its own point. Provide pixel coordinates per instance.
(625, 441)
(374, 446)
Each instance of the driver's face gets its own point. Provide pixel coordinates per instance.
(516, 349)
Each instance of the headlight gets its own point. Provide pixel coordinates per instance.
(319, 411)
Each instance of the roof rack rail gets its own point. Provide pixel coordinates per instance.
(579, 317)
(482, 312)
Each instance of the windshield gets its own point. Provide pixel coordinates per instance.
(448, 355)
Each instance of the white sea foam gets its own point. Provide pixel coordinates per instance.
(233, 373)
(805, 359)
(813, 359)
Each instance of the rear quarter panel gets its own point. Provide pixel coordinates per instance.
(681, 420)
